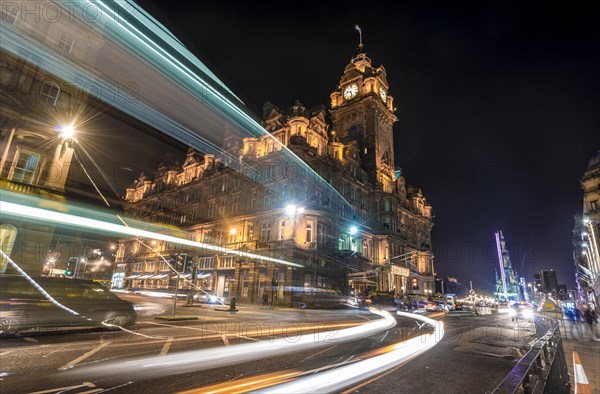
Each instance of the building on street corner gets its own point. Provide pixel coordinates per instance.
(376, 238)
(586, 238)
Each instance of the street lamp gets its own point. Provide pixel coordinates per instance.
(67, 132)
(292, 209)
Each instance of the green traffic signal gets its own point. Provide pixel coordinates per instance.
(69, 273)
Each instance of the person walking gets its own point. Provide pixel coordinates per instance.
(265, 298)
(590, 318)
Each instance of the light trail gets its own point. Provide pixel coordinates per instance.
(21, 211)
(344, 376)
(139, 49)
(198, 360)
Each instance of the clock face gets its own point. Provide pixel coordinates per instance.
(383, 94)
(350, 91)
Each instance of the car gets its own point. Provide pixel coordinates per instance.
(523, 312)
(42, 302)
(208, 297)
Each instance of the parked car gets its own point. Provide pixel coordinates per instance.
(72, 302)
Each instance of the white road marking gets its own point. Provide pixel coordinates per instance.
(116, 387)
(56, 390)
(317, 353)
(166, 346)
(29, 339)
(225, 340)
(84, 356)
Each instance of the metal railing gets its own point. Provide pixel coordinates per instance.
(543, 369)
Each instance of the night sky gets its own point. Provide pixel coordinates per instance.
(497, 105)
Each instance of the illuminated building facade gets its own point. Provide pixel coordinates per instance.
(507, 286)
(379, 240)
(36, 115)
(586, 236)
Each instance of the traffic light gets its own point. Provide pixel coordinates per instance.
(178, 262)
(71, 266)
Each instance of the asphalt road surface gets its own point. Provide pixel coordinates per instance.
(77, 361)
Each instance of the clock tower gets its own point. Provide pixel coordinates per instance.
(362, 110)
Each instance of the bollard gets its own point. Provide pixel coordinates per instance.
(232, 305)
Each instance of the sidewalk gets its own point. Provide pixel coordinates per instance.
(577, 337)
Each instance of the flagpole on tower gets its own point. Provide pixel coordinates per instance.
(360, 44)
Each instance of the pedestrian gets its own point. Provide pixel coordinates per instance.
(588, 315)
(577, 314)
(265, 297)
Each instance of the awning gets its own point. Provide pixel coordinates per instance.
(184, 276)
(202, 275)
(133, 277)
(160, 276)
(145, 276)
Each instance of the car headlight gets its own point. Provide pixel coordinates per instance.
(527, 313)
(512, 312)
(214, 298)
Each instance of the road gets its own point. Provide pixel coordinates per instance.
(164, 356)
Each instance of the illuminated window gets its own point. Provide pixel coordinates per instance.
(309, 230)
(50, 92)
(594, 205)
(282, 230)
(25, 167)
(66, 43)
(415, 284)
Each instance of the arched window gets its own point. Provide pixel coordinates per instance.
(50, 92)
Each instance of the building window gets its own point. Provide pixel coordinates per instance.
(211, 209)
(232, 236)
(219, 237)
(66, 43)
(222, 207)
(265, 232)
(594, 205)
(250, 232)
(10, 13)
(309, 230)
(25, 167)
(267, 198)
(322, 233)
(253, 202)
(282, 230)
(386, 205)
(50, 92)
(236, 204)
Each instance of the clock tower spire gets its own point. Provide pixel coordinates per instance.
(360, 44)
(362, 111)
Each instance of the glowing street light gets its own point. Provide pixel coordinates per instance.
(67, 132)
(292, 209)
(353, 230)
(233, 231)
